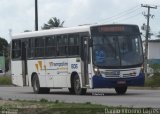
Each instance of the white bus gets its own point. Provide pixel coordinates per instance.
(78, 58)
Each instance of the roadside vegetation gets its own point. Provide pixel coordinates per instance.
(5, 80)
(154, 80)
(46, 107)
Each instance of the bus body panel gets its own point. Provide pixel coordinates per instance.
(49, 79)
(101, 82)
(90, 74)
(37, 66)
(74, 65)
(17, 78)
(128, 77)
(55, 72)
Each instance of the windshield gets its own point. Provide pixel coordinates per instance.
(121, 50)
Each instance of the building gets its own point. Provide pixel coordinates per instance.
(153, 56)
(2, 63)
(154, 51)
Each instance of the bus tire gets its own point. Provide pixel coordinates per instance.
(45, 90)
(121, 90)
(36, 86)
(77, 86)
(71, 90)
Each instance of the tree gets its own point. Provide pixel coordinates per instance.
(3, 47)
(52, 23)
(4, 50)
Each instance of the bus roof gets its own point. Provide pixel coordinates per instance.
(56, 31)
(51, 32)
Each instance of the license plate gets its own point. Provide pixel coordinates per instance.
(121, 82)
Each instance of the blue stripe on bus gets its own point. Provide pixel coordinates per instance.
(101, 82)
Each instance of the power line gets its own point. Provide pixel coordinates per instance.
(126, 12)
(126, 18)
(121, 15)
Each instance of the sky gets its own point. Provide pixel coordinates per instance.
(18, 15)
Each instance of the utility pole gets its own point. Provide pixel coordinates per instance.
(36, 15)
(147, 35)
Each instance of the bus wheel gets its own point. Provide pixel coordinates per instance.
(71, 90)
(36, 86)
(45, 90)
(121, 90)
(77, 86)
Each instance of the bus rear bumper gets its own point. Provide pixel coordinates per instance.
(101, 82)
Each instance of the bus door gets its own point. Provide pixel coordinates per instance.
(85, 61)
(24, 62)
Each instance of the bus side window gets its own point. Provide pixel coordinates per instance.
(50, 49)
(39, 47)
(30, 49)
(16, 49)
(62, 45)
(73, 45)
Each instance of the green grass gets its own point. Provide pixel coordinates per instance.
(153, 81)
(5, 80)
(46, 107)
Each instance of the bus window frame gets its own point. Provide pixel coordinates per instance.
(31, 46)
(19, 49)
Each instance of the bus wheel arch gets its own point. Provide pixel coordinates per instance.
(76, 85)
(36, 85)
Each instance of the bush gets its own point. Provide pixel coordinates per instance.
(155, 67)
(153, 81)
(5, 80)
(43, 100)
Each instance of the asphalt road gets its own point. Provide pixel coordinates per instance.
(133, 98)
